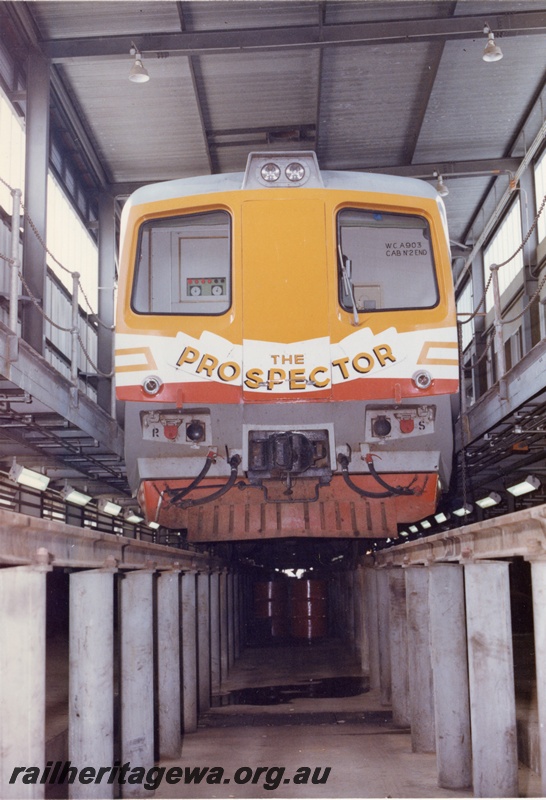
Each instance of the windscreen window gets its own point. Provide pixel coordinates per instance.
(184, 265)
(385, 261)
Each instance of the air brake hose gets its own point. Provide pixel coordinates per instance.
(404, 490)
(344, 461)
(234, 462)
(210, 459)
(391, 490)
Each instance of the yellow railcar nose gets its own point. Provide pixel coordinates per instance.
(286, 289)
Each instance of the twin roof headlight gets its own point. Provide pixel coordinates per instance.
(294, 172)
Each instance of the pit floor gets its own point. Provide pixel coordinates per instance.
(354, 736)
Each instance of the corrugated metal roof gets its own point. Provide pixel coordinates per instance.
(369, 84)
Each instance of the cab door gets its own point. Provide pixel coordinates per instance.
(286, 343)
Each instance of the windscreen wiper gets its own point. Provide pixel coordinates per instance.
(348, 288)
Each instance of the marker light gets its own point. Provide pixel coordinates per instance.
(413, 529)
(295, 172)
(152, 384)
(28, 477)
(422, 379)
(530, 484)
(426, 524)
(492, 499)
(270, 172)
(441, 517)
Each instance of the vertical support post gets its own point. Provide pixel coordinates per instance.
(384, 636)
(203, 639)
(450, 676)
(168, 663)
(36, 169)
(224, 658)
(421, 694)
(528, 204)
(189, 652)
(538, 577)
(491, 676)
(14, 272)
(479, 371)
(91, 676)
(137, 674)
(398, 625)
(370, 599)
(107, 270)
(499, 338)
(75, 329)
(215, 659)
(22, 666)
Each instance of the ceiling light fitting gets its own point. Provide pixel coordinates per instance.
(441, 188)
(463, 511)
(71, 495)
(109, 507)
(28, 477)
(440, 518)
(132, 516)
(138, 73)
(492, 499)
(492, 51)
(530, 484)
(426, 524)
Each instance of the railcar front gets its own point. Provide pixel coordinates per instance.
(286, 349)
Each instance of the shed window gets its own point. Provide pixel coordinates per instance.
(385, 261)
(184, 265)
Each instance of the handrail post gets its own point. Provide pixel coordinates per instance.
(15, 268)
(499, 339)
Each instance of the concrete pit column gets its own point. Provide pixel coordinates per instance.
(491, 677)
(91, 677)
(22, 667)
(168, 663)
(231, 619)
(421, 694)
(351, 610)
(362, 611)
(398, 625)
(215, 658)
(538, 576)
(203, 640)
(385, 682)
(189, 652)
(137, 674)
(372, 622)
(450, 676)
(224, 628)
(236, 615)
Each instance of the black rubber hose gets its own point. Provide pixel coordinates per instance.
(344, 461)
(400, 490)
(196, 481)
(234, 462)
